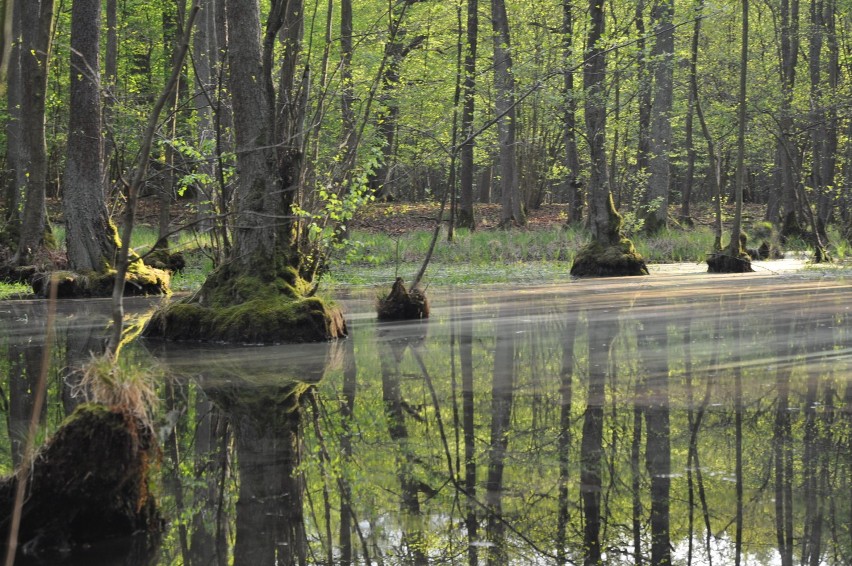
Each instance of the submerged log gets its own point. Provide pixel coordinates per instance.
(403, 304)
(88, 487)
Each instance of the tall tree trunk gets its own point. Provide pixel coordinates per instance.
(604, 221)
(34, 55)
(466, 218)
(261, 189)
(574, 188)
(110, 83)
(14, 144)
(685, 214)
(504, 108)
(644, 99)
(659, 179)
(734, 259)
(90, 236)
(786, 151)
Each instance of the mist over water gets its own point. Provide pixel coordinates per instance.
(699, 418)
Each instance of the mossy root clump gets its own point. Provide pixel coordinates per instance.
(403, 304)
(726, 262)
(241, 308)
(613, 260)
(733, 259)
(87, 486)
(141, 280)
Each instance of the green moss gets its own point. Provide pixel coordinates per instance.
(246, 309)
(141, 280)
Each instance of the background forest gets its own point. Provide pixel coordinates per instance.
(403, 100)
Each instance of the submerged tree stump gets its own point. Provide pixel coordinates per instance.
(732, 259)
(613, 260)
(88, 485)
(270, 306)
(403, 304)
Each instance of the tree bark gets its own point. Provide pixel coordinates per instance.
(91, 238)
(34, 54)
(659, 179)
(466, 218)
(504, 108)
(574, 187)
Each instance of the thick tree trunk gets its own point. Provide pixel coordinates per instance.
(263, 196)
(90, 236)
(504, 108)
(36, 19)
(659, 179)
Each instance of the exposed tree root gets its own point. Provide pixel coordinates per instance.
(403, 304)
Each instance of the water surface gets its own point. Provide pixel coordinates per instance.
(617, 420)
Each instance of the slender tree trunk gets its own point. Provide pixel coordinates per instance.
(347, 411)
(466, 218)
(14, 143)
(90, 236)
(504, 108)
(644, 100)
(110, 84)
(574, 187)
(689, 181)
(786, 150)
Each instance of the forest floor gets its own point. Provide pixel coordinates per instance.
(396, 218)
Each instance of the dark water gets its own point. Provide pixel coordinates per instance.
(683, 417)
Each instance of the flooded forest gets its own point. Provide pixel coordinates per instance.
(275, 287)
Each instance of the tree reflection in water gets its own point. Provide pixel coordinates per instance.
(593, 423)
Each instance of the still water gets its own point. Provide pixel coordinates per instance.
(681, 417)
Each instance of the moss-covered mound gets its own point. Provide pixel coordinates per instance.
(403, 304)
(141, 280)
(726, 262)
(613, 260)
(732, 259)
(88, 485)
(243, 308)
